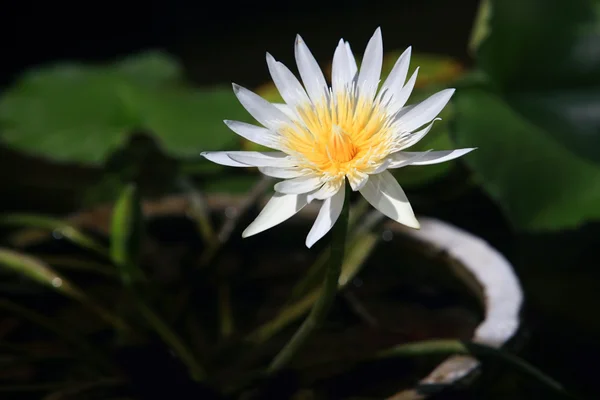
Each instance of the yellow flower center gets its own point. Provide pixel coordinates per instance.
(340, 136)
(340, 148)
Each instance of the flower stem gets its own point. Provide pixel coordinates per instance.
(328, 291)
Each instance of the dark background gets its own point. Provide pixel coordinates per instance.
(222, 41)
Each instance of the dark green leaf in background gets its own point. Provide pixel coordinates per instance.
(82, 114)
(538, 129)
(539, 183)
(543, 55)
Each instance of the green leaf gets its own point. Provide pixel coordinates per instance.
(188, 122)
(538, 134)
(126, 236)
(37, 271)
(40, 272)
(481, 27)
(539, 183)
(150, 68)
(58, 226)
(82, 114)
(542, 55)
(67, 114)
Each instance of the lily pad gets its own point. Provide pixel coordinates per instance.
(539, 183)
(537, 126)
(543, 56)
(82, 114)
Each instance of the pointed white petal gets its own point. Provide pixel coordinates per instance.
(411, 138)
(278, 209)
(353, 66)
(370, 69)
(342, 68)
(282, 173)
(254, 133)
(384, 165)
(403, 159)
(327, 190)
(435, 157)
(357, 180)
(425, 111)
(384, 193)
(288, 85)
(288, 111)
(395, 80)
(402, 111)
(328, 215)
(302, 184)
(311, 73)
(222, 157)
(263, 111)
(262, 158)
(401, 96)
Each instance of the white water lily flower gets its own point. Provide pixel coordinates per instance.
(324, 135)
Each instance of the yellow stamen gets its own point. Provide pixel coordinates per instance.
(340, 136)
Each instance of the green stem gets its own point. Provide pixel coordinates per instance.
(316, 271)
(328, 292)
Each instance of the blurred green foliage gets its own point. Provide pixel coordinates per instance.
(534, 112)
(84, 113)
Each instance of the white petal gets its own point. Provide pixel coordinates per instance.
(370, 69)
(222, 157)
(254, 133)
(312, 76)
(431, 157)
(384, 165)
(403, 159)
(282, 173)
(384, 193)
(328, 214)
(278, 209)
(302, 184)
(425, 111)
(327, 190)
(411, 138)
(357, 180)
(403, 110)
(400, 98)
(287, 110)
(353, 66)
(262, 158)
(263, 111)
(288, 85)
(395, 80)
(343, 68)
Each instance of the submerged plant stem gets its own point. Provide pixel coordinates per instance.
(328, 291)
